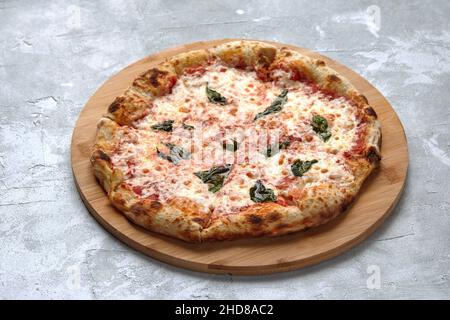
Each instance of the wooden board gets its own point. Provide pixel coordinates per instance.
(377, 198)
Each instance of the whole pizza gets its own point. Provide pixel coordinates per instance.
(243, 139)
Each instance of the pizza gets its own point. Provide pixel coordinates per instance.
(243, 139)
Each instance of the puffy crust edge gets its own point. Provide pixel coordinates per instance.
(319, 205)
(180, 218)
(136, 101)
(128, 107)
(102, 150)
(184, 61)
(101, 164)
(243, 54)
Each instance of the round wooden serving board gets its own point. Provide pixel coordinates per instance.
(376, 200)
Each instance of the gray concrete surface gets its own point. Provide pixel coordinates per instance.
(55, 54)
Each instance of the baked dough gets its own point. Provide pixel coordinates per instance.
(150, 162)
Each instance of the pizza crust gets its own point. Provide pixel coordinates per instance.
(242, 54)
(128, 107)
(183, 61)
(317, 206)
(187, 220)
(179, 218)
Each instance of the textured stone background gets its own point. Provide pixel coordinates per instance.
(55, 54)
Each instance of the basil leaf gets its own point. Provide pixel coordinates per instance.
(276, 105)
(300, 167)
(320, 126)
(215, 97)
(230, 146)
(284, 144)
(165, 156)
(188, 127)
(274, 149)
(163, 126)
(176, 153)
(216, 183)
(259, 193)
(214, 177)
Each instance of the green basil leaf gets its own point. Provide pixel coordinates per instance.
(214, 177)
(230, 146)
(325, 135)
(215, 97)
(163, 126)
(165, 156)
(320, 126)
(176, 153)
(274, 149)
(188, 127)
(216, 183)
(299, 167)
(259, 193)
(276, 105)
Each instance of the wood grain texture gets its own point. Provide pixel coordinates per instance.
(376, 200)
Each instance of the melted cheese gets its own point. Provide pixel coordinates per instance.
(247, 96)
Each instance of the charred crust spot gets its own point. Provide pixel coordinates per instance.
(364, 98)
(371, 112)
(320, 63)
(254, 219)
(113, 107)
(154, 77)
(103, 156)
(266, 56)
(100, 155)
(372, 155)
(154, 74)
(198, 220)
(263, 60)
(333, 78)
(121, 201)
(344, 206)
(273, 216)
(155, 205)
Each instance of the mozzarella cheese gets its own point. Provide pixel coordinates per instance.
(246, 96)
